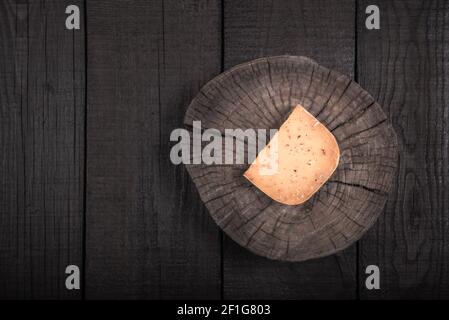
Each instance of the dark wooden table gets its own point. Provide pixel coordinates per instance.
(85, 172)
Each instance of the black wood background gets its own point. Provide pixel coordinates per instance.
(85, 121)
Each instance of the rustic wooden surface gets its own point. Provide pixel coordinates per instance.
(42, 149)
(405, 66)
(148, 236)
(261, 94)
(145, 61)
(256, 29)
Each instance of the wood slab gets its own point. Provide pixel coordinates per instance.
(260, 94)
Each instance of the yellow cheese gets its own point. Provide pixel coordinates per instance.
(297, 161)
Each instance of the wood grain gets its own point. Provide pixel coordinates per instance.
(260, 94)
(405, 66)
(148, 235)
(324, 31)
(42, 149)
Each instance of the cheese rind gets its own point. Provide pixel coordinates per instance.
(297, 161)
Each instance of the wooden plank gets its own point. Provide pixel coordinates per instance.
(42, 149)
(148, 235)
(324, 31)
(405, 66)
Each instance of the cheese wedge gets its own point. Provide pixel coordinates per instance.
(297, 161)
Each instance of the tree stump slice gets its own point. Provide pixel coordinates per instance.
(261, 94)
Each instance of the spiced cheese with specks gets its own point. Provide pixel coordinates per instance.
(297, 161)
